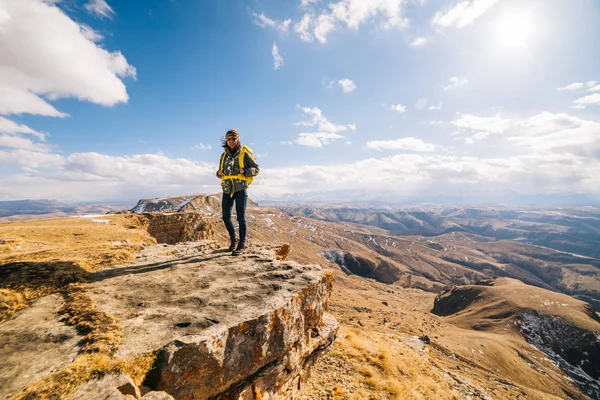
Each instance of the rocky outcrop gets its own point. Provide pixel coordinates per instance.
(174, 228)
(218, 326)
(575, 350)
(208, 204)
(222, 326)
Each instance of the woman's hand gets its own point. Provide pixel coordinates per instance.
(220, 173)
(242, 171)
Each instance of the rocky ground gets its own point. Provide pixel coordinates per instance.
(213, 325)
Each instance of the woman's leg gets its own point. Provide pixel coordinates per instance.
(241, 199)
(226, 206)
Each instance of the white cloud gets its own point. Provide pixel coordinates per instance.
(347, 85)
(327, 83)
(419, 42)
(11, 127)
(99, 8)
(409, 143)
(399, 107)
(455, 82)
(572, 86)
(434, 176)
(557, 153)
(559, 133)
(302, 28)
(323, 25)
(277, 59)
(487, 124)
(591, 99)
(462, 14)
(30, 160)
(18, 142)
(436, 108)
(93, 176)
(351, 14)
(151, 169)
(595, 88)
(326, 132)
(321, 122)
(356, 12)
(421, 103)
(263, 21)
(90, 34)
(317, 139)
(591, 83)
(32, 65)
(306, 3)
(201, 146)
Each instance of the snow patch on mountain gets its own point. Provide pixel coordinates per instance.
(574, 350)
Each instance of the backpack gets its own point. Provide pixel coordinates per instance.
(243, 151)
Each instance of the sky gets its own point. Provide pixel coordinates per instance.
(464, 101)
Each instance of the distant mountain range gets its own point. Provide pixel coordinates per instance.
(43, 209)
(510, 198)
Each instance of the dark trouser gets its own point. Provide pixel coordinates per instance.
(240, 199)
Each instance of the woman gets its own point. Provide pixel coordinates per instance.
(237, 168)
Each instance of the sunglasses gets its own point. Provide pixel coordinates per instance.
(231, 139)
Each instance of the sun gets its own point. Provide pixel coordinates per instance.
(514, 30)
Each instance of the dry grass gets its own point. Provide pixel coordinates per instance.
(91, 245)
(57, 256)
(102, 336)
(381, 366)
(48, 255)
(11, 301)
(23, 282)
(101, 331)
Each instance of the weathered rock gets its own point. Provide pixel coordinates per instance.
(33, 345)
(177, 227)
(110, 387)
(158, 396)
(224, 327)
(287, 374)
(116, 387)
(208, 204)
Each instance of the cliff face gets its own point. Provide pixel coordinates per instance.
(174, 228)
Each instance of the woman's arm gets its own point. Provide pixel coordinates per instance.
(252, 168)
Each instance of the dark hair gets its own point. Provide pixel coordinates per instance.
(233, 132)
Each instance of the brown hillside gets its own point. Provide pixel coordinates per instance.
(558, 326)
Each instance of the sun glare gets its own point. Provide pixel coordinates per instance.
(514, 30)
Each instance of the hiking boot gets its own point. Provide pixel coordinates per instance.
(241, 247)
(233, 245)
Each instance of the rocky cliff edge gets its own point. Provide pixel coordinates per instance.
(215, 326)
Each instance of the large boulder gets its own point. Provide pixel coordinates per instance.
(223, 326)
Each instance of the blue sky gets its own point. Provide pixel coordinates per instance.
(392, 100)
